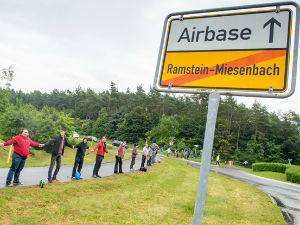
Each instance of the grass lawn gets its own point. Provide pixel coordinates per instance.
(268, 174)
(163, 195)
(42, 158)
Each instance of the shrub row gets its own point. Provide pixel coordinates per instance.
(293, 174)
(274, 167)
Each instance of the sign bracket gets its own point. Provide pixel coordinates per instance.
(277, 9)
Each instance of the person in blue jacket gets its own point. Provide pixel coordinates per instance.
(81, 148)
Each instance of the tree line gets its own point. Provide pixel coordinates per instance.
(242, 133)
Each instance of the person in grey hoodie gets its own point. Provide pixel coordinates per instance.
(133, 156)
(150, 154)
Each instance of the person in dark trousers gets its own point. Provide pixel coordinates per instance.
(59, 142)
(81, 148)
(101, 149)
(21, 151)
(119, 157)
(144, 155)
(218, 160)
(133, 156)
(149, 157)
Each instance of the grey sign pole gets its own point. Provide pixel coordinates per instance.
(213, 105)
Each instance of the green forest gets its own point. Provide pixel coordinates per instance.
(251, 134)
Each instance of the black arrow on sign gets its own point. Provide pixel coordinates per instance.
(272, 21)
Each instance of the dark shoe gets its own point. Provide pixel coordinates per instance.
(121, 172)
(115, 172)
(80, 178)
(98, 176)
(17, 183)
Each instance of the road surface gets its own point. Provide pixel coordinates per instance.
(33, 175)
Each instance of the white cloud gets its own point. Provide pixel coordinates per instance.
(62, 43)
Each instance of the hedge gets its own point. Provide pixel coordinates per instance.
(293, 174)
(274, 167)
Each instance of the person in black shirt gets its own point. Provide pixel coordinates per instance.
(81, 148)
(59, 142)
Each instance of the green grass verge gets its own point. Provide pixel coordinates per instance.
(290, 173)
(268, 174)
(42, 158)
(163, 195)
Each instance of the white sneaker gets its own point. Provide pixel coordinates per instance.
(9, 185)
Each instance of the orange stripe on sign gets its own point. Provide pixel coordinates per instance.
(246, 61)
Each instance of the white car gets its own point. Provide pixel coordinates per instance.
(75, 135)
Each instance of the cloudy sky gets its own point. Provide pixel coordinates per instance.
(65, 43)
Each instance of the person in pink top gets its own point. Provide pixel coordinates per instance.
(21, 151)
(119, 157)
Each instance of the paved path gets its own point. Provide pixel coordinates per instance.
(33, 175)
(286, 195)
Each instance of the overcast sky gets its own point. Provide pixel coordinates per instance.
(65, 43)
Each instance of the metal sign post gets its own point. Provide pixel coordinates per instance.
(213, 105)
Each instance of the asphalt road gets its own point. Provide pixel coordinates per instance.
(33, 175)
(285, 195)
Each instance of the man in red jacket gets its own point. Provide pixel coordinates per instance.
(21, 151)
(101, 148)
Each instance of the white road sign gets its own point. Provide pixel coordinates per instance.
(247, 51)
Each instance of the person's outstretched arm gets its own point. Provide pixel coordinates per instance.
(77, 145)
(96, 147)
(9, 142)
(34, 144)
(50, 142)
(68, 144)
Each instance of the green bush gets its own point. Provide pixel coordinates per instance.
(274, 167)
(32, 151)
(73, 141)
(293, 174)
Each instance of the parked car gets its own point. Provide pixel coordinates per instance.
(90, 138)
(75, 135)
(118, 143)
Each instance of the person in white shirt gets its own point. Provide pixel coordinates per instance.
(144, 155)
(168, 152)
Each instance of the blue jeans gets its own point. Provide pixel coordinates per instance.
(153, 158)
(17, 165)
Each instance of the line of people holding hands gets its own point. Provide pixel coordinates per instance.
(22, 142)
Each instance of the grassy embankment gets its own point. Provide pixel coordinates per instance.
(268, 174)
(271, 175)
(163, 195)
(42, 158)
